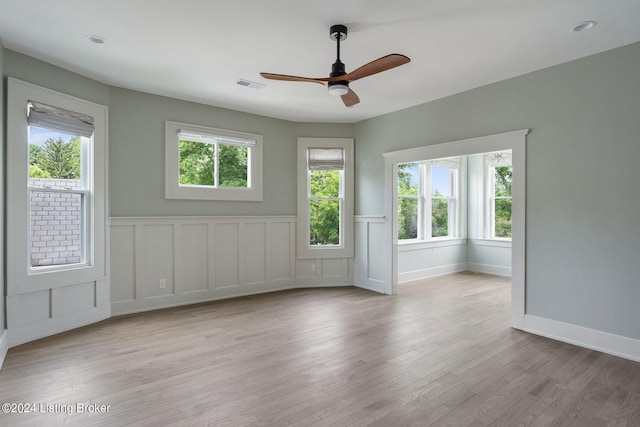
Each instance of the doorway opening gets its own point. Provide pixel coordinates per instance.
(441, 206)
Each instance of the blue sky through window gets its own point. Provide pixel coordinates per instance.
(439, 178)
(440, 181)
(37, 135)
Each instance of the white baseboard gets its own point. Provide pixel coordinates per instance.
(120, 308)
(369, 284)
(323, 282)
(495, 270)
(426, 273)
(4, 346)
(617, 345)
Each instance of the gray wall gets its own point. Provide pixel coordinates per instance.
(46, 75)
(136, 143)
(3, 291)
(136, 155)
(582, 195)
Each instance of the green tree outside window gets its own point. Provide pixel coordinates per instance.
(503, 201)
(198, 164)
(324, 207)
(56, 159)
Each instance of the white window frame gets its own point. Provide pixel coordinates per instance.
(489, 199)
(456, 200)
(21, 277)
(346, 247)
(175, 190)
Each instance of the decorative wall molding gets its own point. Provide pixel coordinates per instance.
(371, 255)
(40, 314)
(605, 342)
(199, 259)
(324, 272)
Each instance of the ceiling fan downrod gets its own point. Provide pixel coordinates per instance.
(339, 87)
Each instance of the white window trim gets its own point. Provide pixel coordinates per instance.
(496, 243)
(21, 278)
(438, 242)
(457, 203)
(173, 189)
(488, 201)
(346, 247)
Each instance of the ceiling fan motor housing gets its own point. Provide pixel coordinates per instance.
(338, 87)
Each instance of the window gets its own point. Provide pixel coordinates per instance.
(409, 200)
(499, 201)
(212, 164)
(325, 198)
(325, 195)
(56, 192)
(58, 185)
(428, 199)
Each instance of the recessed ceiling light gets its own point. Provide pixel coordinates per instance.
(96, 39)
(583, 26)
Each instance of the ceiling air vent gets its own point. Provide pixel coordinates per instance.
(249, 83)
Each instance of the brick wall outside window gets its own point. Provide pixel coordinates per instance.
(55, 223)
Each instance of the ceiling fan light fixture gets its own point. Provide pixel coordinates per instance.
(338, 88)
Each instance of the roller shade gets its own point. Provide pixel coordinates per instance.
(69, 122)
(325, 158)
(187, 135)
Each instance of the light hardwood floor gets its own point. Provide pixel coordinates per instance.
(439, 353)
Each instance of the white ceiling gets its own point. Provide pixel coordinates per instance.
(197, 49)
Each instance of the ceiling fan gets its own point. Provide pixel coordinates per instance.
(338, 81)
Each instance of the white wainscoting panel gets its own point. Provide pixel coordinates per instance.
(39, 314)
(324, 272)
(370, 263)
(199, 259)
(281, 238)
(226, 255)
(124, 259)
(194, 271)
(255, 250)
(158, 261)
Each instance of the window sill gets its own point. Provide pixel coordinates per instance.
(414, 245)
(496, 243)
(194, 192)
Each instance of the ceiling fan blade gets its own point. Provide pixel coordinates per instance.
(374, 67)
(350, 98)
(287, 78)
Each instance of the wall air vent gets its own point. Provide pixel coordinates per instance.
(249, 83)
